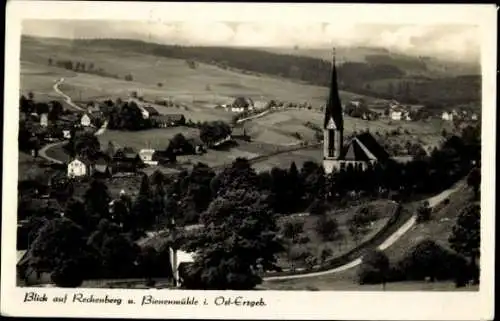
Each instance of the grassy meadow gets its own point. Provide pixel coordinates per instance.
(344, 242)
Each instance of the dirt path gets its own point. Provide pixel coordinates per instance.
(433, 201)
(43, 151)
(67, 98)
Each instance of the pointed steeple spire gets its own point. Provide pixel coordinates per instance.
(333, 110)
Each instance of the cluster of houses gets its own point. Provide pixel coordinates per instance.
(160, 120)
(398, 111)
(459, 115)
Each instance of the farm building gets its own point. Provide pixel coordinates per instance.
(360, 151)
(101, 166)
(146, 156)
(151, 111)
(126, 160)
(447, 116)
(241, 104)
(44, 120)
(169, 120)
(163, 157)
(78, 168)
(66, 133)
(91, 119)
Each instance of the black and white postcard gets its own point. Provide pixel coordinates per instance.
(249, 160)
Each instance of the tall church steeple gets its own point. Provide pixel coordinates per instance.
(333, 127)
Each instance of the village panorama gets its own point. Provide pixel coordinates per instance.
(147, 165)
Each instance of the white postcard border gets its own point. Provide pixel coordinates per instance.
(279, 304)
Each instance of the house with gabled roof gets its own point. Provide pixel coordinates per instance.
(126, 160)
(169, 120)
(78, 167)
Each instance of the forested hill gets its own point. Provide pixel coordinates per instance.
(379, 74)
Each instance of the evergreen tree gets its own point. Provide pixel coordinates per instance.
(239, 234)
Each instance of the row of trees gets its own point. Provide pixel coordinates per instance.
(80, 66)
(97, 240)
(28, 105)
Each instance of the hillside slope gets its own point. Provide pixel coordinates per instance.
(355, 76)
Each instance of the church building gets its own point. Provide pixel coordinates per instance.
(359, 151)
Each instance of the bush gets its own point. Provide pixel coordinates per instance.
(317, 207)
(374, 268)
(303, 239)
(327, 228)
(428, 259)
(292, 229)
(68, 275)
(424, 213)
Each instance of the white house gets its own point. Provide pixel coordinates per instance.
(447, 116)
(77, 168)
(396, 114)
(44, 120)
(86, 121)
(473, 117)
(238, 109)
(177, 258)
(66, 133)
(146, 156)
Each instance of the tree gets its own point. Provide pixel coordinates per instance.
(116, 250)
(97, 200)
(424, 212)
(466, 233)
(239, 233)
(25, 105)
(213, 132)
(474, 181)
(75, 211)
(179, 145)
(61, 244)
(85, 145)
(360, 222)
(240, 175)
(292, 229)
(55, 111)
(374, 268)
(428, 259)
(317, 207)
(327, 228)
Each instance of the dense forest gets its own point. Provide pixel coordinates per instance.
(379, 76)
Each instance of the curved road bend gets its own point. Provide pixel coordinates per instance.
(433, 201)
(43, 151)
(67, 98)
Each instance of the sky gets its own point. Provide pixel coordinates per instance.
(450, 41)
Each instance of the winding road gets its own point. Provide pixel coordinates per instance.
(433, 201)
(67, 98)
(43, 151)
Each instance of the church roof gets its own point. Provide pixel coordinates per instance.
(333, 110)
(364, 147)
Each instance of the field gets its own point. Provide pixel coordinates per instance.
(280, 128)
(382, 209)
(437, 229)
(152, 138)
(199, 88)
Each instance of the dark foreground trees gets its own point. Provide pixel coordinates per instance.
(374, 268)
(239, 236)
